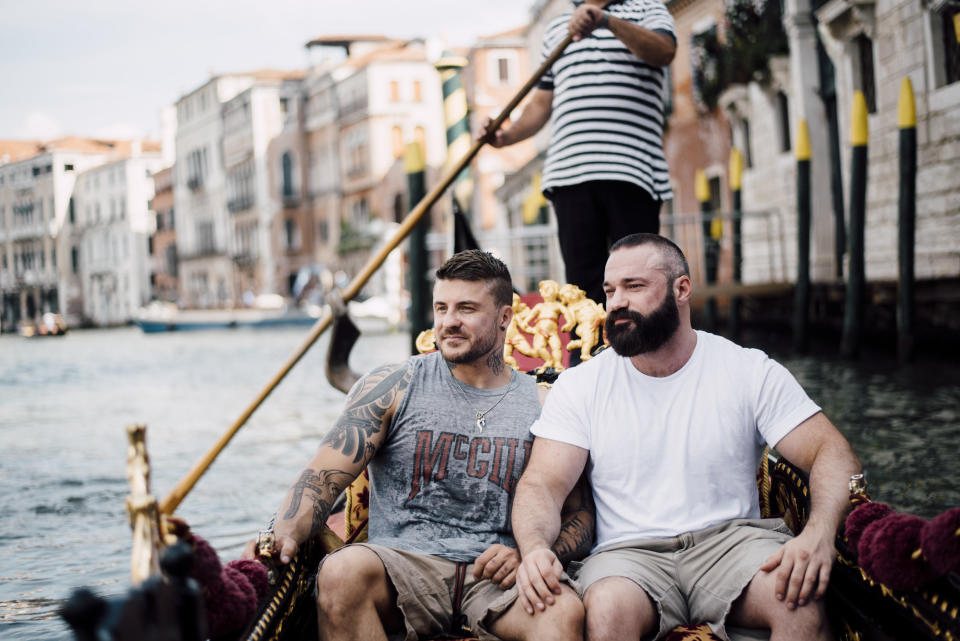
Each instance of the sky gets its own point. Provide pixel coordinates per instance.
(106, 68)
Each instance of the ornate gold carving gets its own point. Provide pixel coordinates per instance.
(544, 317)
(142, 509)
(585, 317)
(426, 341)
(515, 340)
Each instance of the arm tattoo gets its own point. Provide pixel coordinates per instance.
(578, 517)
(368, 404)
(324, 487)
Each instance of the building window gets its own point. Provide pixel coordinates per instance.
(396, 141)
(747, 153)
(68, 166)
(70, 211)
(398, 209)
(417, 91)
(160, 222)
(783, 115)
(868, 85)
(291, 235)
(394, 91)
(284, 105)
(946, 42)
(502, 67)
(287, 166)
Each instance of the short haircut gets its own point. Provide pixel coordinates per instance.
(477, 265)
(674, 263)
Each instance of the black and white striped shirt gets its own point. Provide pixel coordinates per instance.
(607, 105)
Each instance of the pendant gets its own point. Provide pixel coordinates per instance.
(481, 422)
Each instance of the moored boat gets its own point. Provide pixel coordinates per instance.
(166, 317)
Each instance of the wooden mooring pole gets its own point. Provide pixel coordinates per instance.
(856, 273)
(906, 220)
(711, 249)
(736, 181)
(414, 166)
(801, 300)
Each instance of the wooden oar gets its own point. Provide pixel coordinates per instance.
(173, 499)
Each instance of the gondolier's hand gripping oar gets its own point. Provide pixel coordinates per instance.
(174, 498)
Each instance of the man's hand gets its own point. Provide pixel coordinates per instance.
(802, 568)
(284, 548)
(498, 138)
(538, 579)
(499, 564)
(584, 20)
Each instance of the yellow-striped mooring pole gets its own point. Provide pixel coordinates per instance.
(801, 301)
(736, 181)
(906, 219)
(456, 117)
(711, 247)
(856, 274)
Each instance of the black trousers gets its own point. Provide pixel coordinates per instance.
(591, 217)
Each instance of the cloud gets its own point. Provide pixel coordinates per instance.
(41, 126)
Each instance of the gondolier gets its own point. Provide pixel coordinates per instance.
(444, 437)
(605, 171)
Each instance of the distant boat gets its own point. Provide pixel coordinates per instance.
(49, 325)
(268, 312)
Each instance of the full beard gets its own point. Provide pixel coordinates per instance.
(646, 333)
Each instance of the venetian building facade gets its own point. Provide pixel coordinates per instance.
(204, 263)
(163, 240)
(252, 121)
(111, 230)
(36, 183)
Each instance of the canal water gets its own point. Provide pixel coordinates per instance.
(64, 403)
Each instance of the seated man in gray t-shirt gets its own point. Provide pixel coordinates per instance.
(445, 437)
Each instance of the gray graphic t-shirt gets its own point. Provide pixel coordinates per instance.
(438, 484)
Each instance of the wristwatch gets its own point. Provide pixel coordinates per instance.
(604, 20)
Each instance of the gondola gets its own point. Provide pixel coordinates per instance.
(887, 583)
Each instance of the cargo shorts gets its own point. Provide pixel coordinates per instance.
(426, 586)
(693, 577)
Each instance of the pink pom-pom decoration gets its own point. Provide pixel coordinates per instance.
(886, 552)
(941, 543)
(256, 573)
(862, 516)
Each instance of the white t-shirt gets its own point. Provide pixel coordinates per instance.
(679, 453)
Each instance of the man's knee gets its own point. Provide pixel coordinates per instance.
(351, 575)
(617, 607)
(562, 621)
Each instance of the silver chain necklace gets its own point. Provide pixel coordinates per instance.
(481, 415)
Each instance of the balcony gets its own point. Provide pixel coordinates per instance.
(291, 201)
(242, 203)
(195, 182)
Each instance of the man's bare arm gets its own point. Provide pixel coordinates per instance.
(342, 455)
(803, 564)
(577, 523)
(536, 113)
(551, 473)
(654, 48)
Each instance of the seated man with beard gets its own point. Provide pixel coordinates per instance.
(672, 420)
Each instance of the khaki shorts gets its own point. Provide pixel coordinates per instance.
(425, 586)
(694, 577)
